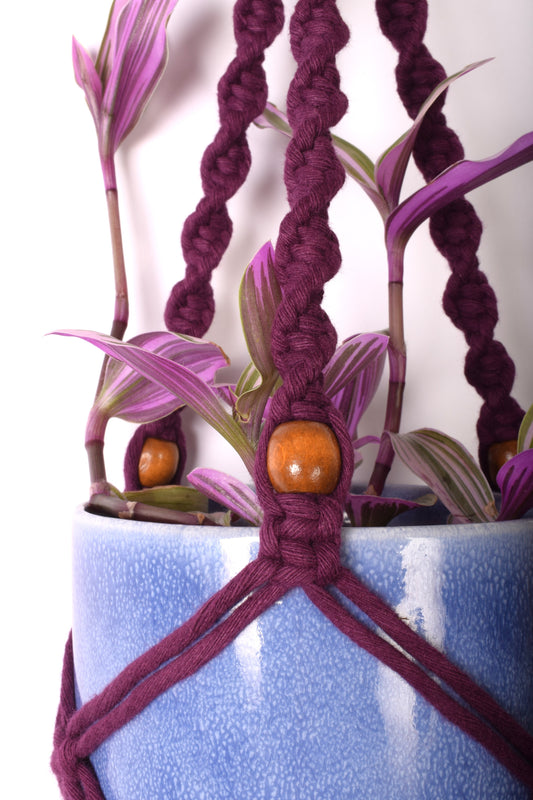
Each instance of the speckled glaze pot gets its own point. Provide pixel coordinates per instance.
(293, 710)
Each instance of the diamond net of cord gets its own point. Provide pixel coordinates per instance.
(300, 535)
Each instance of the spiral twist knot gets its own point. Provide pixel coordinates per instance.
(468, 300)
(242, 95)
(403, 22)
(471, 303)
(307, 251)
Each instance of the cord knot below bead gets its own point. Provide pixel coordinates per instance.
(303, 540)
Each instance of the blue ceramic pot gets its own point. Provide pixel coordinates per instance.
(293, 710)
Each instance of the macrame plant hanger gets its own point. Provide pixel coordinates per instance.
(300, 536)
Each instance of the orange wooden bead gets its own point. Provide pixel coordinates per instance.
(498, 454)
(158, 462)
(303, 456)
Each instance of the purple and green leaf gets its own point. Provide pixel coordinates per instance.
(392, 164)
(134, 398)
(229, 492)
(352, 376)
(515, 480)
(182, 382)
(525, 433)
(457, 180)
(130, 62)
(369, 511)
(450, 471)
(259, 298)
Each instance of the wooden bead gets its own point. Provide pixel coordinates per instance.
(158, 462)
(303, 456)
(498, 454)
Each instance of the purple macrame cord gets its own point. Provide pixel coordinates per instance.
(242, 96)
(468, 299)
(300, 536)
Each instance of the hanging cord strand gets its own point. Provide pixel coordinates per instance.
(481, 718)
(304, 528)
(242, 96)
(468, 300)
(79, 732)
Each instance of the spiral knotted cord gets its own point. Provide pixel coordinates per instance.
(242, 96)
(300, 537)
(456, 229)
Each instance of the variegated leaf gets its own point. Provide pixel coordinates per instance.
(515, 479)
(449, 470)
(259, 298)
(392, 164)
(354, 355)
(525, 434)
(188, 387)
(129, 396)
(370, 511)
(454, 182)
(229, 492)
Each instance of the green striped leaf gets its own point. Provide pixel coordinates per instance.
(525, 434)
(179, 498)
(450, 471)
(229, 492)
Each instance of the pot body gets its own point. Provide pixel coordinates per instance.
(293, 710)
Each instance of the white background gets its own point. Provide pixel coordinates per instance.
(56, 271)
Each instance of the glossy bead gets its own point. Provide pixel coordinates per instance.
(498, 454)
(303, 456)
(158, 462)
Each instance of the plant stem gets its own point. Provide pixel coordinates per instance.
(121, 312)
(95, 455)
(120, 320)
(397, 369)
(95, 445)
(125, 509)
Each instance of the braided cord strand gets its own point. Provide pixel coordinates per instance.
(301, 531)
(469, 301)
(242, 96)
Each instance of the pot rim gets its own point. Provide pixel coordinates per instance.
(113, 525)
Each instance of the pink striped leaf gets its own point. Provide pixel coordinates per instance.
(129, 396)
(450, 472)
(355, 355)
(188, 387)
(88, 78)
(369, 511)
(357, 367)
(229, 492)
(525, 434)
(515, 480)
(454, 182)
(352, 376)
(131, 60)
(259, 298)
(392, 164)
